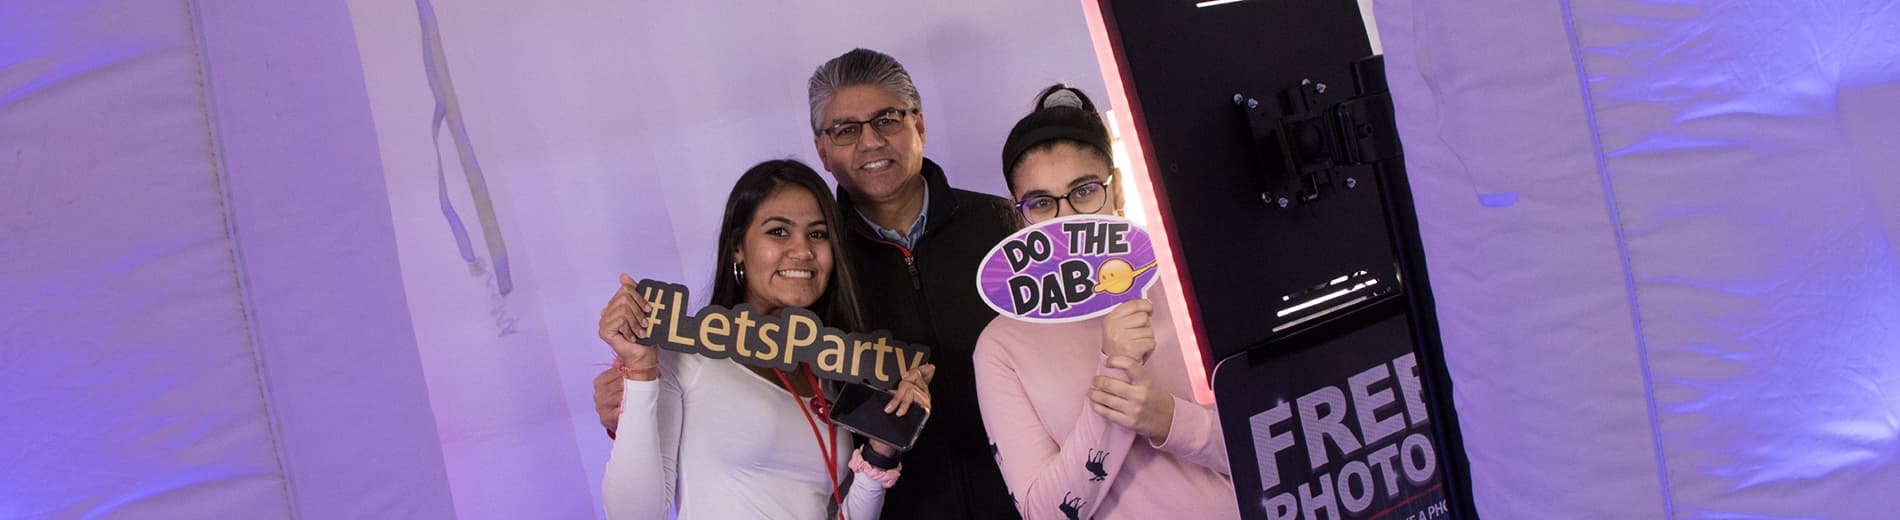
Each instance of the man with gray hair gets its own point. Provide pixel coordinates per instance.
(915, 247)
(915, 244)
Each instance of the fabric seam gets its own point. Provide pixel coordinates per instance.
(241, 276)
(1622, 251)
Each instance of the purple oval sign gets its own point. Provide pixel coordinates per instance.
(1068, 269)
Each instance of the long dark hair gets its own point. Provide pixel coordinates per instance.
(838, 305)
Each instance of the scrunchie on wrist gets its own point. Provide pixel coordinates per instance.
(885, 477)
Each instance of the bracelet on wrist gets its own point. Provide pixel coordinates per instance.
(878, 460)
(639, 374)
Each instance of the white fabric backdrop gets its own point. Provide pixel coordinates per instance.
(609, 134)
(233, 293)
(1658, 247)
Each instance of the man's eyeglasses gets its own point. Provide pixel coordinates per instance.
(887, 123)
(1087, 198)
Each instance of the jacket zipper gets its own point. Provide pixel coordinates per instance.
(910, 261)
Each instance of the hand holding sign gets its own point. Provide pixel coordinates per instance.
(624, 322)
(1126, 332)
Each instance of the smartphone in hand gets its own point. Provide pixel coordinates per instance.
(860, 408)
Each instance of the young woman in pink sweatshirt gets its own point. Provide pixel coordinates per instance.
(1092, 419)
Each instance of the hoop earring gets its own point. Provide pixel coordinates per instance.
(738, 273)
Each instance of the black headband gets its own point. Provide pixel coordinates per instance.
(1018, 145)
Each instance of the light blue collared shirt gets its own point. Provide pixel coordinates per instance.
(908, 240)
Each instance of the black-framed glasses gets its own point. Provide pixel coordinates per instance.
(1087, 198)
(886, 123)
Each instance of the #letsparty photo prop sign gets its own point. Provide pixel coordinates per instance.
(783, 342)
(1068, 269)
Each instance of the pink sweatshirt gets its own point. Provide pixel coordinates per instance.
(1063, 461)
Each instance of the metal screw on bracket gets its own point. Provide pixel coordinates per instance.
(1351, 183)
(1253, 103)
(1320, 88)
(1237, 99)
(1282, 202)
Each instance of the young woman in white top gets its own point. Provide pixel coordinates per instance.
(710, 438)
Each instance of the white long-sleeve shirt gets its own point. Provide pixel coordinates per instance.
(710, 439)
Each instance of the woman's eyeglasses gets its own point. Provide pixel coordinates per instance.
(1087, 198)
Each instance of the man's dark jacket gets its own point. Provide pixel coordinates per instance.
(927, 294)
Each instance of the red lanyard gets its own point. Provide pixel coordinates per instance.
(828, 450)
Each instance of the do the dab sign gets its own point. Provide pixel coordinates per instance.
(1068, 269)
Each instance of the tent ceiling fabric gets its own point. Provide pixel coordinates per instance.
(129, 382)
(1667, 286)
(201, 314)
(1530, 291)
